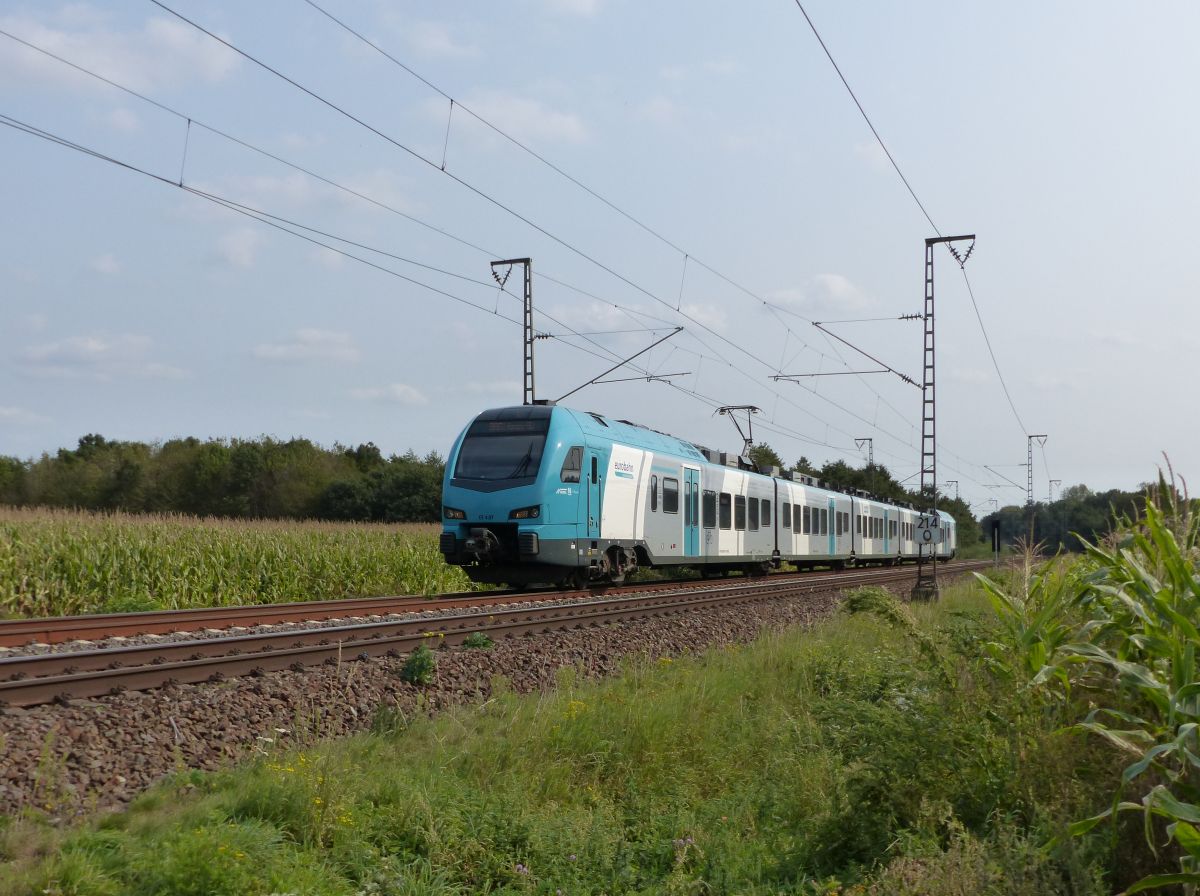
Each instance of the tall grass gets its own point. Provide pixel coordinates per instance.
(55, 562)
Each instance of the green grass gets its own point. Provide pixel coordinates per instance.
(876, 754)
(63, 562)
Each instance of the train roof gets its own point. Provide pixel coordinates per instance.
(638, 436)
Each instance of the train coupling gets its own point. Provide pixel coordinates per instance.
(483, 543)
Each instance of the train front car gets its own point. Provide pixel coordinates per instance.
(511, 497)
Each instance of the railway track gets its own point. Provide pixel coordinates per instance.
(28, 680)
(103, 626)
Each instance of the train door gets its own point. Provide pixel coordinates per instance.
(593, 496)
(833, 547)
(691, 512)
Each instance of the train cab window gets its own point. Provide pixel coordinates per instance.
(654, 493)
(725, 507)
(753, 514)
(766, 513)
(806, 520)
(786, 514)
(572, 465)
(739, 512)
(710, 509)
(670, 495)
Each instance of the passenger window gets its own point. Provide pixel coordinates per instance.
(824, 520)
(739, 512)
(654, 493)
(573, 465)
(786, 522)
(710, 510)
(754, 514)
(838, 524)
(726, 514)
(670, 495)
(766, 513)
(806, 520)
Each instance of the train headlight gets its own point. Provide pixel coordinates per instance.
(453, 514)
(526, 513)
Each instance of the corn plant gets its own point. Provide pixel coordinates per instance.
(1138, 649)
(55, 562)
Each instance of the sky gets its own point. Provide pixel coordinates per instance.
(674, 164)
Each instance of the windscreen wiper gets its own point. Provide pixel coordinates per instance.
(523, 464)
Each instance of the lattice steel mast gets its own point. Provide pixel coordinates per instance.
(926, 586)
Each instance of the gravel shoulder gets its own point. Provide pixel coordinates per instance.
(63, 762)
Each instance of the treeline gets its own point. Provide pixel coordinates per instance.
(878, 481)
(1079, 513)
(262, 478)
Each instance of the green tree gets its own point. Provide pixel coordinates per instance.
(764, 456)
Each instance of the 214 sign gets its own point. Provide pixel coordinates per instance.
(929, 530)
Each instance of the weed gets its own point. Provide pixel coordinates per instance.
(478, 641)
(420, 666)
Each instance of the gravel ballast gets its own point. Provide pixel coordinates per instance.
(64, 761)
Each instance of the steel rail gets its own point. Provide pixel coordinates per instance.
(81, 674)
(101, 626)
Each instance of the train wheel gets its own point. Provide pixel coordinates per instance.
(576, 580)
(614, 566)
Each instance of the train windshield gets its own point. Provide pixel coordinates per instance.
(497, 450)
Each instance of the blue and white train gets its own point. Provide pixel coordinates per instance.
(549, 495)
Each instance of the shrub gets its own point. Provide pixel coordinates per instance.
(419, 667)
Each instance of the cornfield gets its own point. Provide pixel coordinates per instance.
(55, 562)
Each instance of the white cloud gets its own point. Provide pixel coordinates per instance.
(435, 39)
(327, 258)
(574, 7)
(874, 156)
(711, 315)
(106, 264)
(239, 247)
(382, 185)
(310, 344)
(659, 110)
(20, 417)
(99, 356)
(125, 120)
(971, 376)
(162, 53)
(510, 388)
(824, 294)
(525, 118)
(1117, 338)
(396, 393)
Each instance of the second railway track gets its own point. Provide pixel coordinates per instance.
(42, 678)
